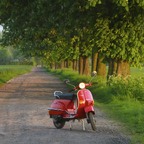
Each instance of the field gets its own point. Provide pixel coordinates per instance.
(9, 71)
(122, 100)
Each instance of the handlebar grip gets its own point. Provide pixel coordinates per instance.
(88, 84)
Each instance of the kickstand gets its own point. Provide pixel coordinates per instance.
(83, 125)
(71, 124)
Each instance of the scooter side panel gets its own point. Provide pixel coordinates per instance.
(59, 107)
(81, 99)
(88, 95)
(89, 109)
(85, 103)
(55, 112)
(81, 104)
(89, 101)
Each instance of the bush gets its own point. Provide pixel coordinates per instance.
(132, 87)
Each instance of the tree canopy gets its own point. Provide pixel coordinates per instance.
(63, 30)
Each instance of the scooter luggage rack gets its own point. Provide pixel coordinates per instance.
(61, 95)
(56, 93)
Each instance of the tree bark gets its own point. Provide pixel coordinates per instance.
(94, 61)
(80, 65)
(112, 68)
(123, 68)
(62, 65)
(75, 65)
(101, 67)
(52, 65)
(66, 65)
(70, 64)
(86, 66)
(56, 66)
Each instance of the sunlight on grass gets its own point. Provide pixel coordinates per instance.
(7, 72)
(123, 100)
(137, 72)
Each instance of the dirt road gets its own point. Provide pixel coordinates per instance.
(24, 120)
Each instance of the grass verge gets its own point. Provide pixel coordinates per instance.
(8, 72)
(120, 101)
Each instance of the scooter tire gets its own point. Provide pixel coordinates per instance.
(58, 123)
(92, 121)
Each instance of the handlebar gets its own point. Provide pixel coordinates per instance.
(88, 84)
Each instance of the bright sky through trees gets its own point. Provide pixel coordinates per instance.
(1, 28)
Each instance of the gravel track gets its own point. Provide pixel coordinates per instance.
(24, 119)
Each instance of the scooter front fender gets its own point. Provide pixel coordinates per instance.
(88, 109)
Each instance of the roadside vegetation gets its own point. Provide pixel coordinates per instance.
(121, 99)
(7, 72)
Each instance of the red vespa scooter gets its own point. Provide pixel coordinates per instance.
(71, 106)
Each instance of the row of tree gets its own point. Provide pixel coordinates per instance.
(89, 34)
(12, 56)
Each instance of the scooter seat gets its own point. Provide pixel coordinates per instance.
(66, 96)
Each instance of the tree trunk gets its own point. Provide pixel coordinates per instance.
(101, 67)
(52, 65)
(123, 68)
(86, 66)
(112, 68)
(80, 65)
(94, 61)
(75, 65)
(70, 64)
(56, 65)
(62, 65)
(66, 63)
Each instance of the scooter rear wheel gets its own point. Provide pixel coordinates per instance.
(92, 121)
(58, 123)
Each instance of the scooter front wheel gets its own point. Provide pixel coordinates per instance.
(58, 123)
(92, 120)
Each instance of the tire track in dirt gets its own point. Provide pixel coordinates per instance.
(24, 120)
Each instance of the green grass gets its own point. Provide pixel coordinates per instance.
(122, 100)
(131, 114)
(125, 109)
(136, 72)
(7, 72)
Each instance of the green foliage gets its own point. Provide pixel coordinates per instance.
(5, 56)
(94, 2)
(60, 30)
(131, 87)
(9, 55)
(101, 39)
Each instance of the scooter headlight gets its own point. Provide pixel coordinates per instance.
(82, 85)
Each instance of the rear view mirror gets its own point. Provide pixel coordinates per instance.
(94, 73)
(66, 81)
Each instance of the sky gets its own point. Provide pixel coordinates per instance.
(1, 28)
